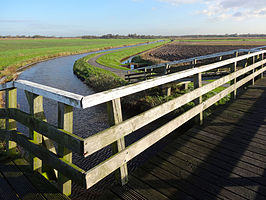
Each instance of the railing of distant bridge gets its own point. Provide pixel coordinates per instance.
(144, 73)
(40, 145)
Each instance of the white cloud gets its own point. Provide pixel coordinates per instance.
(227, 9)
(235, 9)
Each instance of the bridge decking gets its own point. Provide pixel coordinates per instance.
(223, 159)
(17, 181)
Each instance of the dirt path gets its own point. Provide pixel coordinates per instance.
(118, 72)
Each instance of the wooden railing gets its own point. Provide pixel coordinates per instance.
(147, 72)
(42, 133)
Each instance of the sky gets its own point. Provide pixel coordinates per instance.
(144, 17)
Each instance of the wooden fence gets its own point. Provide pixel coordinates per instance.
(40, 144)
(144, 73)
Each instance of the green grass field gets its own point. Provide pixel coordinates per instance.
(17, 53)
(114, 59)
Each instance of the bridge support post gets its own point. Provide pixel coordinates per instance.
(145, 73)
(167, 69)
(233, 69)
(262, 58)
(197, 84)
(253, 70)
(115, 117)
(65, 121)
(10, 124)
(36, 109)
(128, 72)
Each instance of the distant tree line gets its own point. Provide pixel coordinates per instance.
(135, 36)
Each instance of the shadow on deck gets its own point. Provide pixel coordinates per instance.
(17, 181)
(223, 159)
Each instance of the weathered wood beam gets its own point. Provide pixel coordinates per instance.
(115, 117)
(36, 109)
(197, 80)
(233, 69)
(10, 124)
(65, 121)
(262, 58)
(8, 85)
(65, 138)
(50, 93)
(68, 169)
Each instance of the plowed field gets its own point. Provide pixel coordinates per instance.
(177, 51)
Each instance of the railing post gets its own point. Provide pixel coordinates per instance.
(166, 70)
(233, 69)
(10, 124)
(220, 59)
(115, 117)
(65, 121)
(253, 70)
(197, 84)
(246, 64)
(36, 109)
(145, 73)
(262, 58)
(128, 73)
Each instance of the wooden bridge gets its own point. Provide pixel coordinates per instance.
(223, 159)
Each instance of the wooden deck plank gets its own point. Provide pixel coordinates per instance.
(248, 176)
(244, 133)
(204, 170)
(178, 176)
(164, 186)
(254, 152)
(19, 182)
(145, 190)
(6, 192)
(230, 141)
(230, 147)
(47, 189)
(24, 183)
(222, 154)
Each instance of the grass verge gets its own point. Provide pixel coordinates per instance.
(96, 78)
(114, 59)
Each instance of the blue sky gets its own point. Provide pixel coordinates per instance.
(155, 17)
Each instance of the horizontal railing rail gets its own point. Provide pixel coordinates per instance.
(42, 134)
(62, 96)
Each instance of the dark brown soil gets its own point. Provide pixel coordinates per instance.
(175, 51)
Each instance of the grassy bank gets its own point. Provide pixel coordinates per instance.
(96, 78)
(114, 59)
(18, 53)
